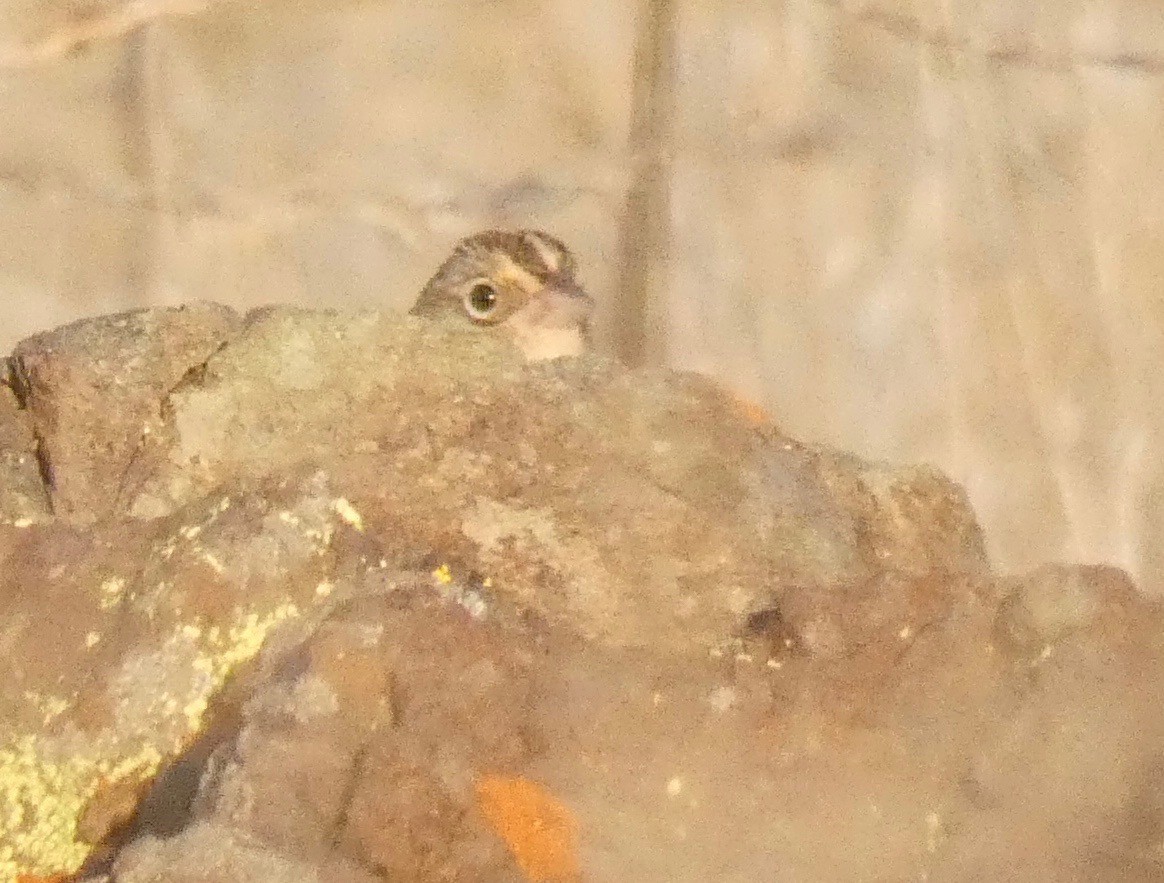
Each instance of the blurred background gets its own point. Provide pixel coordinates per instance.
(922, 232)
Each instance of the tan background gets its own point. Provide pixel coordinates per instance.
(928, 231)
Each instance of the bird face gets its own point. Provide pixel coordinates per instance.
(518, 282)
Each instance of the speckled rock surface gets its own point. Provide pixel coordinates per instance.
(378, 727)
(94, 389)
(671, 529)
(120, 636)
(23, 496)
(374, 599)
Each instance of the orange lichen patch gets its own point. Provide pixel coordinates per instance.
(34, 878)
(752, 412)
(539, 829)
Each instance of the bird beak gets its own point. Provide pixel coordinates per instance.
(554, 323)
(563, 305)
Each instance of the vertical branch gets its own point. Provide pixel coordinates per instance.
(134, 110)
(639, 329)
(142, 100)
(155, 84)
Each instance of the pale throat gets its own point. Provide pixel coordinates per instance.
(538, 342)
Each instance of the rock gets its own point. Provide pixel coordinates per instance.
(377, 728)
(120, 637)
(209, 853)
(23, 499)
(1055, 600)
(94, 390)
(513, 471)
(375, 599)
(930, 750)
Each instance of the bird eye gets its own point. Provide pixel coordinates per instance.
(481, 301)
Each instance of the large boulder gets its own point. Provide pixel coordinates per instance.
(305, 595)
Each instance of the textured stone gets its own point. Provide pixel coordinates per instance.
(529, 486)
(208, 853)
(369, 583)
(23, 497)
(379, 726)
(927, 234)
(94, 390)
(119, 638)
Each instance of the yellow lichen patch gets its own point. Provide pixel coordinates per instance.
(443, 575)
(348, 513)
(48, 706)
(190, 531)
(194, 711)
(42, 799)
(112, 592)
(46, 792)
(221, 651)
(321, 535)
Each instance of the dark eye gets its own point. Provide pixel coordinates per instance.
(481, 301)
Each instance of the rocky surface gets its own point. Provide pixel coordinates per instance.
(923, 232)
(94, 390)
(334, 596)
(23, 495)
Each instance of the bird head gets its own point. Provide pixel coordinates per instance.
(520, 283)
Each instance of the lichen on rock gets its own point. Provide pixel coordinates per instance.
(310, 578)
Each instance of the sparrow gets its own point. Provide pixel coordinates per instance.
(518, 282)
